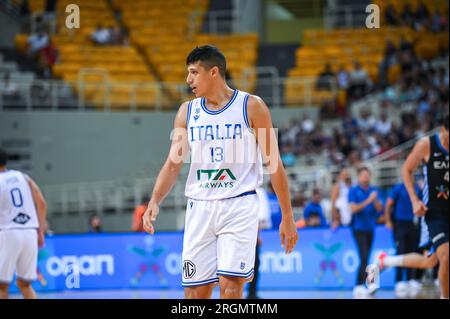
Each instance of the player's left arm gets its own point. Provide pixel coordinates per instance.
(261, 123)
(41, 207)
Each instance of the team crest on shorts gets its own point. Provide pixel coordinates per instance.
(188, 269)
(21, 218)
(242, 266)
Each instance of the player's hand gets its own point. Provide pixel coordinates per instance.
(149, 217)
(41, 238)
(372, 197)
(389, 224)
(288, 234)
(335, 225)
(419, 208)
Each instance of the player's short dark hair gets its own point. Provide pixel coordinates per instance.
(3, 157)
(363, 168)
(445, 122)
(209, 56)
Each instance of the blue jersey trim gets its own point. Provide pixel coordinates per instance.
(245, 110)
(202, 103)
(439, 144)
(188, 114)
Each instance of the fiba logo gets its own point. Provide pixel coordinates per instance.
(188, 269)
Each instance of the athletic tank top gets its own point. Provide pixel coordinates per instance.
(225, 158)
(17, 208)
(436, 193)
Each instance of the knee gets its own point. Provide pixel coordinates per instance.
(231, 289)
(23, 284)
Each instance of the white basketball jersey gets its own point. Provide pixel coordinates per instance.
(225, 158)
(17, 208)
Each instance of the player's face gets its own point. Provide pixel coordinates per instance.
(198, 78)
(364, 177)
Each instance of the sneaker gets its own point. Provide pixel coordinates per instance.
(414, 288)
(401, 289)
(380, 260)
(361, 292)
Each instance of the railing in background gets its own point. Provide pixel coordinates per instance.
(38, 94)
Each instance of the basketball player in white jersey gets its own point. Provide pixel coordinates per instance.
(224, 130)
(22, 211)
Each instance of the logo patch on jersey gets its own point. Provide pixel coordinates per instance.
(188, 269)
(21, 219)
(196, 117)
(216, 178)
(442, 192)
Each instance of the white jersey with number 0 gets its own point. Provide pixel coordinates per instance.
(225, 158)
(17, 208)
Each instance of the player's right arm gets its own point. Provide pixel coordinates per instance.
(387, 213)
(168, 175)
(420, 153)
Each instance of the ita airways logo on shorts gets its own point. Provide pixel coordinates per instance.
(216, 178)
(188, 269)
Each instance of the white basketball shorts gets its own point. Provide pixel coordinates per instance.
(220, 239)
(18, 253)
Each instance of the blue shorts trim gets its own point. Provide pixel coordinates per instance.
(235, 274)
(199, 283)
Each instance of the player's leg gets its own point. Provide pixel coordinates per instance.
(411, 260)
(231, 287)
(27, 263)
(9, 247)
(26, 289)
(237, 235)
(199, 250)
(4, 287)
(442, 255)
(199, 292)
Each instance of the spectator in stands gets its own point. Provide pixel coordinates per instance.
(313, 212)
(359, 82)
(407, 16)
(365, 205)
(47, 58)
(9, 88)
(343, 78)
(95, 224)
(307, 124)
(439, 22)
(390, 15)
(37, 42)
(421, 17)
(136, 224)
(384, 125)
(340, 207)
(389, 59)
(50, 10)
(366, 121)
(101, 35)
(326, 78)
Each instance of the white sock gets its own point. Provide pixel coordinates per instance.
(393, 261)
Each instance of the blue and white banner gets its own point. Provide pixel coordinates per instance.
(322, 259)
